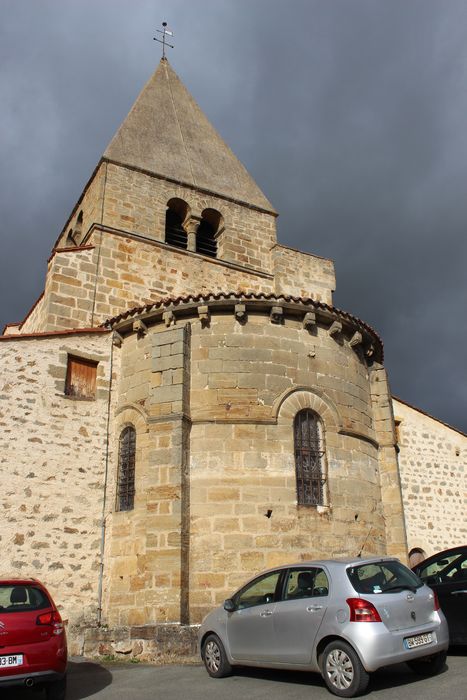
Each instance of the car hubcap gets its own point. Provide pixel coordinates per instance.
(339, 669)
(212, 656)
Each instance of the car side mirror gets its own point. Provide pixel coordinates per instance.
(229, 605)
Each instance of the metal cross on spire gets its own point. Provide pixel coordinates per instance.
(165, 33)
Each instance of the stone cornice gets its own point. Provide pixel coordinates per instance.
(339, 324)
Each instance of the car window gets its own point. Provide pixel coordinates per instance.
(22, 598)
(306, 583)
(382, 577)
(445, 569)
(260, 591)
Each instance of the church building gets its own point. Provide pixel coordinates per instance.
(184, 407)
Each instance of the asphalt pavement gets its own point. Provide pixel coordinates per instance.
(127, 681)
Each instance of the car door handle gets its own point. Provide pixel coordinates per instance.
(266, 613)
(314, 608)
(458, 592)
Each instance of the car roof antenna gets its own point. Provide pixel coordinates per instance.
(363, 545)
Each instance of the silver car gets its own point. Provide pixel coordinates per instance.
(342, 618)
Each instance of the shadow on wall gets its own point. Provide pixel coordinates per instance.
(85, 679)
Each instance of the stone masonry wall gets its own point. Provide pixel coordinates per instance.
(69, 292)
(137, 202)
(213, 401)
(248, 381)
(145, 552)
(391, 499)
(123, 262)
(303, 274)
(53, 453)
(133, 273)
(433, 467)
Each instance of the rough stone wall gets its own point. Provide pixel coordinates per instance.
(90, 206)
(53, 455)
(133, 273)
(69, 297)
(433, 467)
(302, 274)
(213, 402)
(137, 202)
(34, 319)
(247, 384)
(69, 293)
(391, 498)
(123, 262)
(145, 551)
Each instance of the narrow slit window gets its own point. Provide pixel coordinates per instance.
(126, 469)
(81, 378)
(309, 458)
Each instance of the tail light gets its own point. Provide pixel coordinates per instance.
(53, 619)
(436, 600)
(362, 610)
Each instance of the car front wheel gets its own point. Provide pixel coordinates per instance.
(215, 658)
(343, 671)
(429, 665)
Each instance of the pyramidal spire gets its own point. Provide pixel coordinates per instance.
(167, 134)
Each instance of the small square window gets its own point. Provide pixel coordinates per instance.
(81, 378)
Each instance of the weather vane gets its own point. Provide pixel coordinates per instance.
(165, 33)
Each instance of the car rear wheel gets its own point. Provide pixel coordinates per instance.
(215, 658)
(343, 671)
(56, 690)
(429, 665)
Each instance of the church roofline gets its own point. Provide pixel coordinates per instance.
(221, 300)
(105, 160)
(167, 133)
(52, 334)
(428, 415)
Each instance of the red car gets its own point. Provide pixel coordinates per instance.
(33, 649)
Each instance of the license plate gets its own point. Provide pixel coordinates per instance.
(13, 660)
(418, 641)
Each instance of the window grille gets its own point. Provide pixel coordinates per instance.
(126, 469)
(309, 454)
(81, 378)
(175, 234)
(206, 243)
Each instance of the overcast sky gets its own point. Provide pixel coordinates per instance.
(351, 115)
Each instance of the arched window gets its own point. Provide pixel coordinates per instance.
(309, 457)
(70, 240)
(78, 232)
(416, 556)
(126, 469)
(175, 217)
(206, 242)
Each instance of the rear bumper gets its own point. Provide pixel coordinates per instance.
(37, 678)
(377, 648)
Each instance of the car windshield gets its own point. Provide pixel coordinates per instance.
(21, 598)
(449, 568)
(382, 577)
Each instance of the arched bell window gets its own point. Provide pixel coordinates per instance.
(206, 235)
(126, 469)
(175, 217)
(309, 458)
(78, 232)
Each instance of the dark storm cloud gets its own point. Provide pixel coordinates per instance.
(350, 114)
